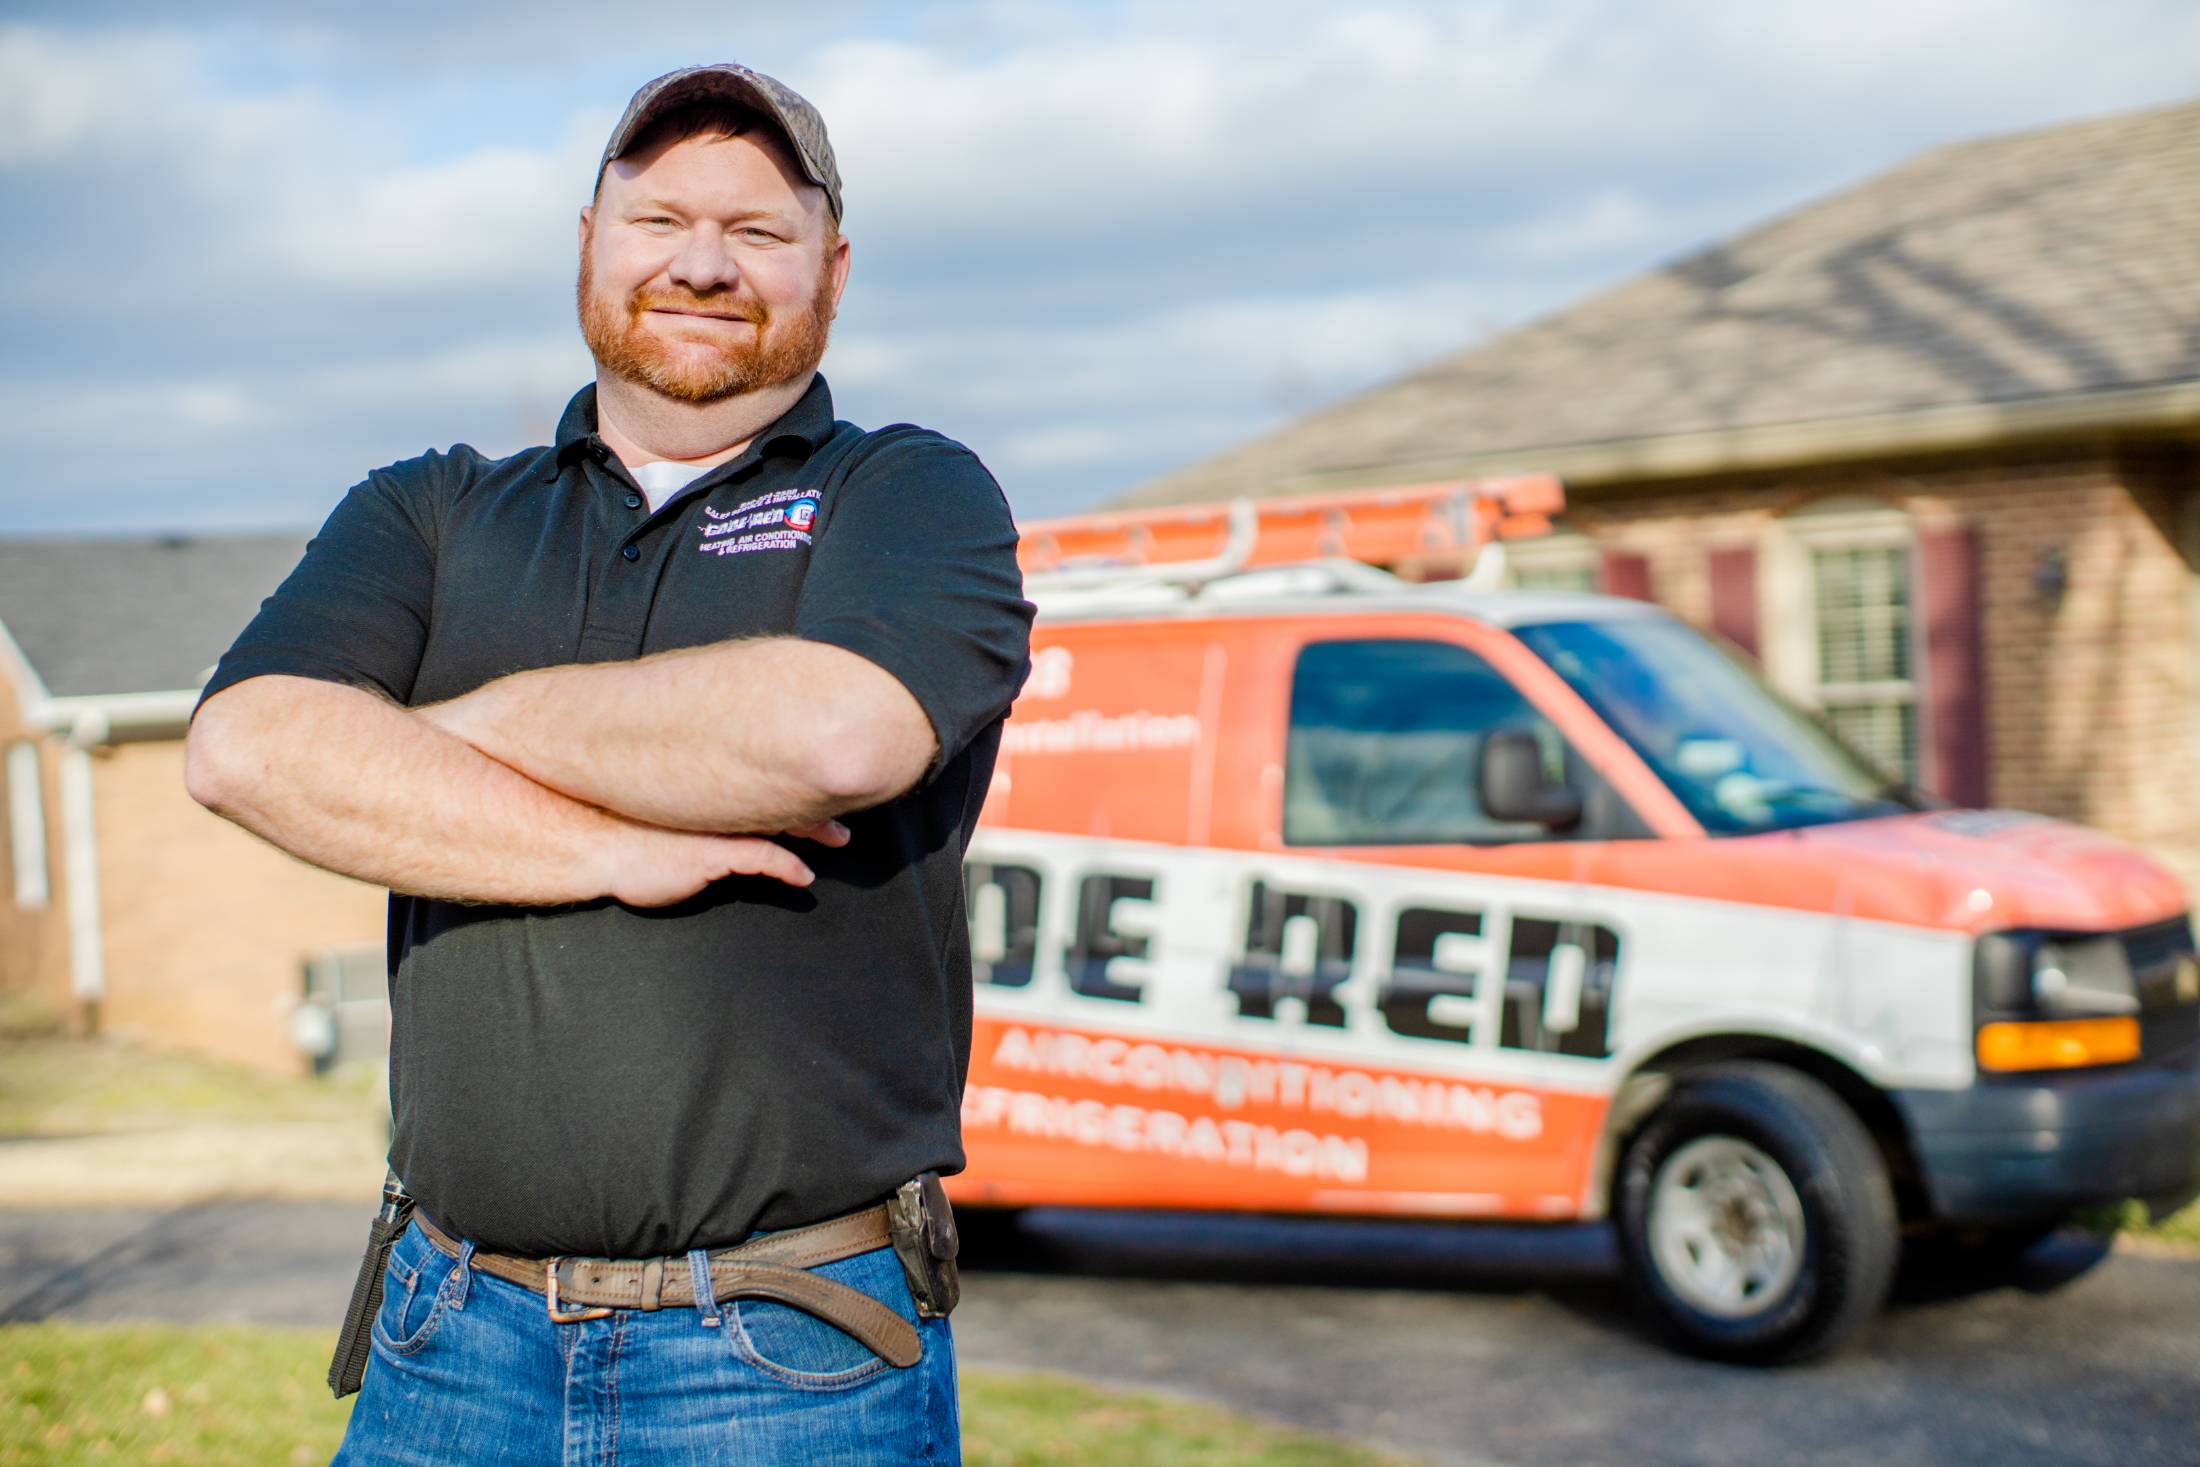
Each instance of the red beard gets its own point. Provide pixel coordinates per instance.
(780, 351)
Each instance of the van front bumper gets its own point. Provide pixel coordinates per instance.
(2014, 1150)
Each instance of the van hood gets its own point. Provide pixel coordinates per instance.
(1984, 870)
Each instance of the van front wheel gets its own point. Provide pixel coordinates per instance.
(1755, 1216)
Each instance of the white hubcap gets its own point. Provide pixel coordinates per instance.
(1726, 1227)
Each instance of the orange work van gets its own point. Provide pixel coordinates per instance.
(1301, 888)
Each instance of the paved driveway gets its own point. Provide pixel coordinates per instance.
(1461, 1346)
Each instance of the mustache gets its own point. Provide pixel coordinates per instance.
(726, 303)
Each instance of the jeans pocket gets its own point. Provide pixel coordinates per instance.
(413, 1294)
(798, 1348)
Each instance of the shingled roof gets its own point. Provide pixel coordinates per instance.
(111, 615)
(2049, 266)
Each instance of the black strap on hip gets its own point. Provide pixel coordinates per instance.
(354, 1341)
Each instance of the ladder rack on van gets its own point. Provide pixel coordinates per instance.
(1190, 545)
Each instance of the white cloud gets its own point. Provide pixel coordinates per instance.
(1054, 447)
(67, 417)
(869, 361)
(1607, 222)
(57, 96)
(1316, 343)
(307, 184)
(495, 214)
(499, 380)
(490, 370)
(69, 97)
(217, 405)
(1086, 127)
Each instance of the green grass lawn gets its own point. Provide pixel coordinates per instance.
(51, 1086)
(2180, 1229)
(229, 1396)
(2183, 1228)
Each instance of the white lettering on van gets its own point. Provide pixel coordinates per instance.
(1088, 732)
(1232, 1082)
(1142, 1130)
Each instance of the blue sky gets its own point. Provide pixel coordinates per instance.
(250, 250)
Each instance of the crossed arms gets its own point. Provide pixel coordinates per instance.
(643, 781)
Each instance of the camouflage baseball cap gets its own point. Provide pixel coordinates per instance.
(795, 117)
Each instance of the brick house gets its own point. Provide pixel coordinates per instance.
(123, 904)
(1929, 449)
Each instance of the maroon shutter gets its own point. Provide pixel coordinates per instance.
(1947, 589)
(1734, 596)
(1626, 575)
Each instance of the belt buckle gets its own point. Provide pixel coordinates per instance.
(550, 1297)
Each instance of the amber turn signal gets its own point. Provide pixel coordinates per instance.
(2058, 1044)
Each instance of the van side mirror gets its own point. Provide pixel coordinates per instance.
(1513, 786)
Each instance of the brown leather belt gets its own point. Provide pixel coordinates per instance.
(770, 1267)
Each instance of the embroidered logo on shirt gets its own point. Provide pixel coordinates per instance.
(780, 520)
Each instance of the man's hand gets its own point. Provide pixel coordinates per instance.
(652, 867)
(644, 866)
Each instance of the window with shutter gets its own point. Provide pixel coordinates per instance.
(1861, 602)
(1841, 629)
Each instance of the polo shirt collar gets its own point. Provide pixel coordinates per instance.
(804, 426)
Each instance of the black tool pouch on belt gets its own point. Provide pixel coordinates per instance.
(349, 1365)
(923, 1228)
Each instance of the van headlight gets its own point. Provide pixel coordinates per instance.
(2046, 1001)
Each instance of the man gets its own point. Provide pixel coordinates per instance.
(667, 739)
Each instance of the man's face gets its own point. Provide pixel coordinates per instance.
(709, 269)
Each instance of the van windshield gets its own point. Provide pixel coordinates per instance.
(1740, 757)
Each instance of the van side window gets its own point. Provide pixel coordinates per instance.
(1385, 743)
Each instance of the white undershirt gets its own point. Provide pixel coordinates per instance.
(663, 478)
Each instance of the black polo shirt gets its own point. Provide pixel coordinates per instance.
(610, 1080)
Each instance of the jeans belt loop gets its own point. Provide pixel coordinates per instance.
(706, 1304)
(463, 1274)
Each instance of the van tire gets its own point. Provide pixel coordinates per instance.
(1794, 1170)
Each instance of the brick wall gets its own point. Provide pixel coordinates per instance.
(2092, 702)
(206, 926)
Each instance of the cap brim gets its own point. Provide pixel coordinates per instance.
(709, 84)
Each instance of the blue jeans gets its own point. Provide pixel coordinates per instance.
(468, 1369)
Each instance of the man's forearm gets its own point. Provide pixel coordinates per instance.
(354, 784)
(763, 735)
(340, 778)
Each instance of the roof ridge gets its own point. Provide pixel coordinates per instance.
(2088, 122)
(119, 614)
